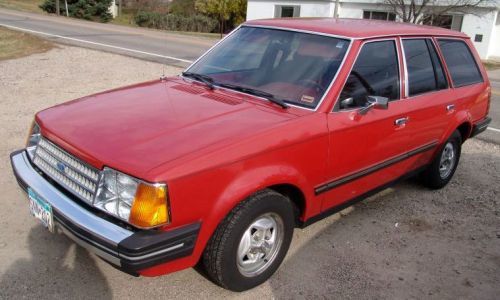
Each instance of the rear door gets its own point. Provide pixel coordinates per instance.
(430, 101)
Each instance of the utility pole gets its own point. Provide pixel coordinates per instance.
(66, 4)
(336, 10)
(57, 8)
(120, 7)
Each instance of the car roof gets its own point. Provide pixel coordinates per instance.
(355, 28)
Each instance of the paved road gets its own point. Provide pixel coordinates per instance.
(152, 45)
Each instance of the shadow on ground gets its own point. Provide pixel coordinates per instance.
(408, 242)
(57, 269)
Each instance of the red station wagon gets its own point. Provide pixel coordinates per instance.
(280, 124)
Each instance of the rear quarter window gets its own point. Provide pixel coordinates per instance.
(461, 64)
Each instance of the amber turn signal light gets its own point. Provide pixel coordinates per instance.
(150, 206)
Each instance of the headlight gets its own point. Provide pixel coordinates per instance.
(134, 201)
(33, 139)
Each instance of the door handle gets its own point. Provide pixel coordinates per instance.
(401, 121)
(450, 107)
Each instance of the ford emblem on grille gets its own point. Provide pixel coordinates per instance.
(61, 167)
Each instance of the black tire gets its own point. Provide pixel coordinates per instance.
(220, 259)
(432, 177)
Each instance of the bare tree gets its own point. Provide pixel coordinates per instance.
(414, 11)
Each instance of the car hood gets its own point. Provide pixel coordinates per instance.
(137, 128)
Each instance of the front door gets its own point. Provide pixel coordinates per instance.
(367, 150)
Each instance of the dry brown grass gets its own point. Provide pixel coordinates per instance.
(491, 64)
(14, 44)
(24, 5)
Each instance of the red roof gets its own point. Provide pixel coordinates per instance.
(355, 28)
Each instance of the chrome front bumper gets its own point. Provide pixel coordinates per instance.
(129, 250)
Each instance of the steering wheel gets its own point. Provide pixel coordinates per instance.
(364, 83)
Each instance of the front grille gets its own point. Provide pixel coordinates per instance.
(76, 176)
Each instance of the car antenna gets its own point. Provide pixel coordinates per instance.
(163, 77)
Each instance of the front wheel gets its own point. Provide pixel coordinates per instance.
(442, 168)
(251, 242)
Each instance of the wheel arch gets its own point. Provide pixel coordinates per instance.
(283, 179)
(465, 130)
(295, 195)
(461, 121)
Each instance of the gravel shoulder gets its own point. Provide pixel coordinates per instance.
(405, 242)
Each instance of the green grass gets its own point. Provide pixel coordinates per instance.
(15, 44)
(23, 5)
(127, 19)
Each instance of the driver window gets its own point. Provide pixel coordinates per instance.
(375, 73)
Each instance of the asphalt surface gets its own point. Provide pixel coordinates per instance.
(173, 49)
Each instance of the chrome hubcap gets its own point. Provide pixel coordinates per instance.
(260, 244)
(447, 161)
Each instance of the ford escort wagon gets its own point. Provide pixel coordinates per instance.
(280, 124)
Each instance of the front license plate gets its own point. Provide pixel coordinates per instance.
(41, 209)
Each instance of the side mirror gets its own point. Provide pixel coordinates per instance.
(376, 102)
(346, 103)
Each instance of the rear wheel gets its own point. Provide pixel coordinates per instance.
(442, 168)
(251, 242)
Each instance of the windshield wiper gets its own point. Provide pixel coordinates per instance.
(255, 92)
(207, 80)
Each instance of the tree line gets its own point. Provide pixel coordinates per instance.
(181, 15)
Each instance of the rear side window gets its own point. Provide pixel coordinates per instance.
(425, 73)
(461, 64)
(375, 73)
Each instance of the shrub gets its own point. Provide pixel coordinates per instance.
(197, 23)
(82, 9)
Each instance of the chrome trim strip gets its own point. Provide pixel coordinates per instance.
(365, 172)
(65, 206)
(482, 127)
(405, 67)
(134, 258)
(390, 35)
(327, 91)
(413, 34)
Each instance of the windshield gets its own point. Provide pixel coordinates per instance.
(292, 66)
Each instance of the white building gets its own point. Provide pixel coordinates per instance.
(482, 23)
(113, 8)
